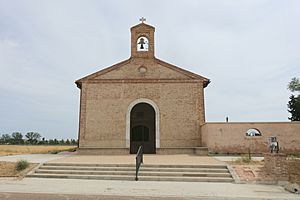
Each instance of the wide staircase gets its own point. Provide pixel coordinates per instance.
(147, 172)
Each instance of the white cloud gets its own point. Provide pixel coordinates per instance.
(249, 49)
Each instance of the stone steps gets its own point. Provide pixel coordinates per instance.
(132, 178)
(132, 173)
(133, 169)
(132, 165)
(185, 173)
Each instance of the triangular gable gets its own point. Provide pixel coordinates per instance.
(180, 70)
(157, 69)
(103, 71)
(142, 25)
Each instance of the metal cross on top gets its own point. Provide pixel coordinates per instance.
(142, 19)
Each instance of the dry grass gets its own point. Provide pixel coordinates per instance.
(8, 169)
(245, 160)
(6, 150)
(242, 162)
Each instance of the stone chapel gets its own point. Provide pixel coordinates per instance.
(141, 101)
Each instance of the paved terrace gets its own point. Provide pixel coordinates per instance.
(140, 190)
(122, 159)
(183, 159)
(61, 188)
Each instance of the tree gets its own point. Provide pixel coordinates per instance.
(43, 141)
(294, 85)
(68, 142)
(33, 137)
(294, 108)
(55, 141)
(17, 138)
(294, 102)
(73, 142)
(5, 139)
(62, 142)
(51, 142)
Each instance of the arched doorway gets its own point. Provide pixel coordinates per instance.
(142, 128)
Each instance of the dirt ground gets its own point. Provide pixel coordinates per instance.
(252, 171)
(8, 169)
(36, 196)
(6, 150)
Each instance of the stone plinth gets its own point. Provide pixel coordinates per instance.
(294, 170)
(276, 166)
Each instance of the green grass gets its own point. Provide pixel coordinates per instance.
(21, 165)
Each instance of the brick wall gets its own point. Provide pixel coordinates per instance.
(231, 137)
(294, 170)
(104, 108)
(281, 169)
(276, 166)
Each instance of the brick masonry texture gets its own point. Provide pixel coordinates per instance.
(222, 137)
(281, 168)
(104, 123)
(107, 94)
(276, 166)
(294, 170)
(179, 96)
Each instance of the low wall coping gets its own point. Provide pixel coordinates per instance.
(251, 123)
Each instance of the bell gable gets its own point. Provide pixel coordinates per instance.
(142, 64)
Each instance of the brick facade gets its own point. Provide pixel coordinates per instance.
(106, 96)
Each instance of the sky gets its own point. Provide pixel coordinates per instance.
(249, 50)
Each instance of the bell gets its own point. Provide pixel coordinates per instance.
(141, 42)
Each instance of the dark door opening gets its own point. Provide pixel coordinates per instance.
(142, 128)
